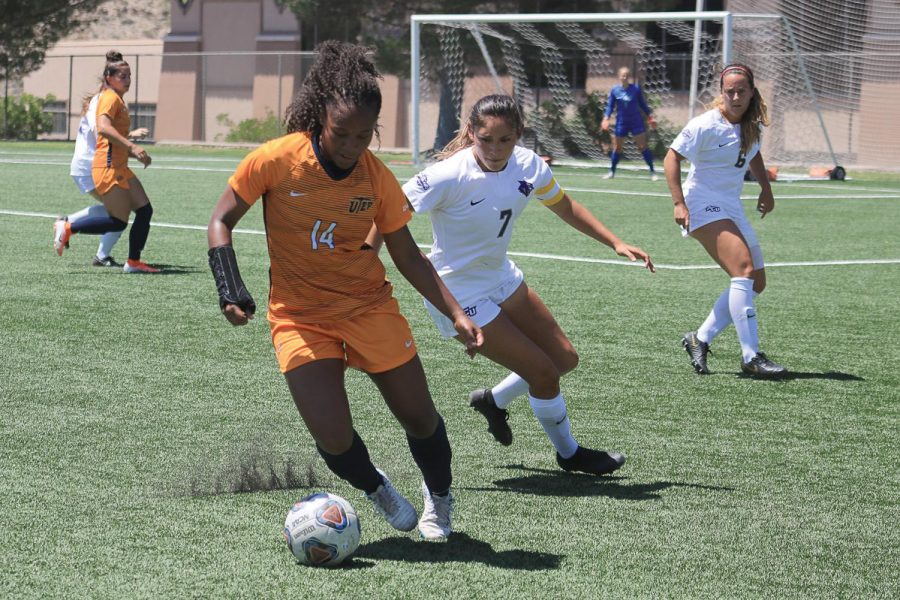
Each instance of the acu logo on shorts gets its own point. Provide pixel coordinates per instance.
(360, 204)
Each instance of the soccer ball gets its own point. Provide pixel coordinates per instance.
(322, 530)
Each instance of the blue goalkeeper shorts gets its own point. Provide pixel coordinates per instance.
(629, 126)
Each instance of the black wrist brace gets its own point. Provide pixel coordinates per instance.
(229, 284)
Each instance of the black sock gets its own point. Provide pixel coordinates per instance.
(140, 229)
(433, 455)
(98, 225)
(354, 466)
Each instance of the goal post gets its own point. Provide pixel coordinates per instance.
(561, 67)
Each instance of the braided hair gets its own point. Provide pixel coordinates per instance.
(342, 75)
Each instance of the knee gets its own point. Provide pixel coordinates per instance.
(568, 362)
(145, 211)
(544, 378)
(743, 268)
(759, 284)
(421, 426)
(334, 443)
(118, 224)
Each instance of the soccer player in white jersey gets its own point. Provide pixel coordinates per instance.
(474, 196)
(721, 144)
(80, 170)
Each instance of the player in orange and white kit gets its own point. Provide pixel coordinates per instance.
(330, 305)
(119, 190)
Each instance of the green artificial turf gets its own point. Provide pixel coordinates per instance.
(135, 423)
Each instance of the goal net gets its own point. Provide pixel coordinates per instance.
(851, 53)
(561, 67)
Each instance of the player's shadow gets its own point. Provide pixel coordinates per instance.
(545, 482)
(794, 375)
(165, 269)
(460, 547)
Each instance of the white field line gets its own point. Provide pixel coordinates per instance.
(57, 159)
(779, 196)
(557, 257)
(137, 170)
(168, 158)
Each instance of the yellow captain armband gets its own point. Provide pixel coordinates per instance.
(559, 195)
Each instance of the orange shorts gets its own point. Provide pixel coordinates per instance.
(376, 341)
(105, 178)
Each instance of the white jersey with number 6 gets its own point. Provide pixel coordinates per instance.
(473, 211)
(713, 146)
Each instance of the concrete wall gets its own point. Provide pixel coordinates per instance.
(200, 96)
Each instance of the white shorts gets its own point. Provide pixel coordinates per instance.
(85, 183)
(708, 212)
(481, 306)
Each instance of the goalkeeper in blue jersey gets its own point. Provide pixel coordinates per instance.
(627, 100)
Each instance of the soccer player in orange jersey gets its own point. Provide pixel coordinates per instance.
(119, 190)
(329, 303)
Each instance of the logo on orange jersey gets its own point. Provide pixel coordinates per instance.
(360, 204)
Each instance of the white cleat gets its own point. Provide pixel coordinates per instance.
(654, 177)
(61, 234)
(435, 523)
(391, 505)
(609, 175)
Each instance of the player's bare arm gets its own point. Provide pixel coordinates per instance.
(672, 169)
(419, 271)
(579, 218)
(106, 129)
(766, 202)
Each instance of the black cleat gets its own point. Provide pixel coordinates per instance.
(697, 350)
(108, 261)
(593, 462)
(483, 402)
(762, 368)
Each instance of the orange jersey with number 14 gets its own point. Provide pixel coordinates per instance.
(316, 227)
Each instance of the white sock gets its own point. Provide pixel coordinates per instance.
(107, 241)
(551, 414)
(81, 214)
(743, 314)
(508, 390)
(719, 318)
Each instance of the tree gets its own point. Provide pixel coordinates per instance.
(28, 29)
